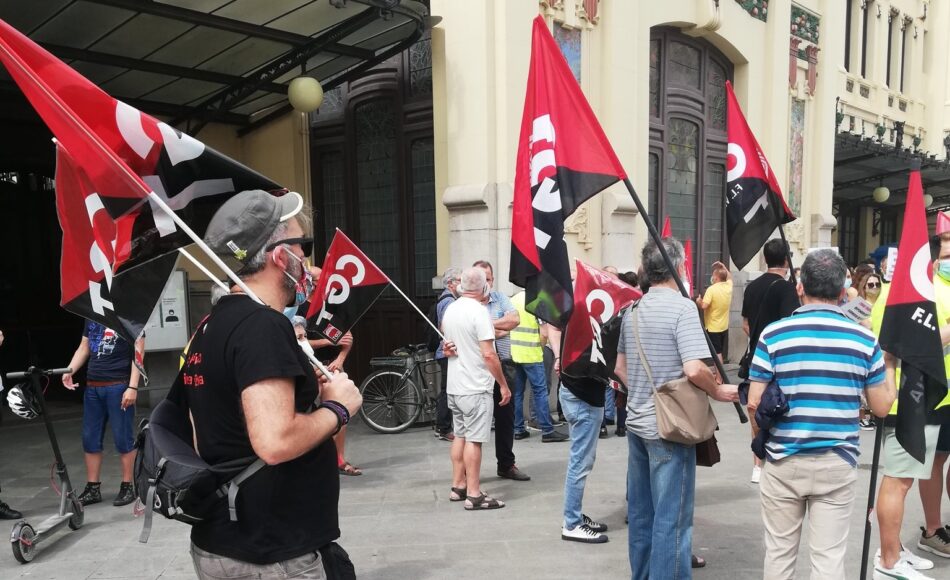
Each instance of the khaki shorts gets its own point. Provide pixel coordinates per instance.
(898, 463)
(471, 416)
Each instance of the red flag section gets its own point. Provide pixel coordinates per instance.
(754, 202)
(126, 154)
(349, 284)
(564, 159)
(943, 223)
(667, 229)
(688, 265)
(910, 329)
(89, 286)
(589, 345)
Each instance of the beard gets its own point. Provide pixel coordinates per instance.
(289, 282)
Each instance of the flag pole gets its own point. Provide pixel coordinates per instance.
(875, 464)
(203, 269)
(158, 201)
(655, 235)
(788, 249)
(416, 308)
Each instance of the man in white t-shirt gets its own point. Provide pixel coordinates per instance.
(472, 371)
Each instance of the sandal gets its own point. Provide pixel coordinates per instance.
(698, 561)
(347, 469)
(457, 494)
(483, 502)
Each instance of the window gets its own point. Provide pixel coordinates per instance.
(848, 233)
(888, 227)
(849, 7)
(422, 168)
(905, 31)
(890, 47)
(865, 15)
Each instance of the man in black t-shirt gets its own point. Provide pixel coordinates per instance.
(768, 298)
(250, 390)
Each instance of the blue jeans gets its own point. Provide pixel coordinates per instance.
(610, 403)
(102, 404)
(534, 373)
(661, 487)
(584, 423)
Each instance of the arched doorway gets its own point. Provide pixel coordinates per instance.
(688, 142)
(374, 178)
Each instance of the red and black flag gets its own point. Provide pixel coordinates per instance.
(349, 284)
(589, 345)
(89, 286)
(754, 202)
(564, 159)
(126, 155)
(667, 229)
(910, 329)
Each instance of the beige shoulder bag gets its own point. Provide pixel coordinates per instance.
(683, 412)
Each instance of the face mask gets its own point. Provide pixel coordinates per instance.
(303, 286)
(788, 274)
(290, 312)
(305, 345)
(943, 269)
(847, 283)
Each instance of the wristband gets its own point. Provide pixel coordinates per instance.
(342, 415)
(131, 387)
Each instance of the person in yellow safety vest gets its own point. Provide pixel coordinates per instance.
(899, 468)
(527, 340)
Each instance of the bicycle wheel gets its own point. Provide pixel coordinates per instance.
(391, 403)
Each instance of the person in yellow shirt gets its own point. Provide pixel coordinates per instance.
(715, 305)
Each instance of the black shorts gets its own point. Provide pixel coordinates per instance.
(718, 340)
(943, 441)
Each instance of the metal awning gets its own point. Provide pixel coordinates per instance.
(201, 61)
(862, 164)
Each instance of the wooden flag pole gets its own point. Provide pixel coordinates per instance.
(788, 249)
(416, 308)
(655, 235)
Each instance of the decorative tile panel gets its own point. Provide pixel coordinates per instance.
(756, 8)
(796, 155)
(805, 25)
(569, 41)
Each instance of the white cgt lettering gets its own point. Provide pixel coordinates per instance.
(547, 199)
(338, 286)
(596, 348)
(98, 259)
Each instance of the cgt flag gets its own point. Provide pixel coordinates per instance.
(667, 229)
(754, 202)
(590, 341)
(126, 154)
(909, 328)
(349, 284)
(564, 159)
(89, 289)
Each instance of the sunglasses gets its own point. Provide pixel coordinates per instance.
(306, 244)
(873, 284)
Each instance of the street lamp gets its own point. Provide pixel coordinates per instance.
(928, 200)
(881, 193)
(305, 94)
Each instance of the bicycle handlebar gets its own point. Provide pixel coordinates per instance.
(37, 371)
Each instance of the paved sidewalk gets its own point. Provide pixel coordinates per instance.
(398, 523)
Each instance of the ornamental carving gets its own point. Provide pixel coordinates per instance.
(579, 223)
(805, 25)
(756, 8)
(588, 9)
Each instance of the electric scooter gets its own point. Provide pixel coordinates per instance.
(24, 538)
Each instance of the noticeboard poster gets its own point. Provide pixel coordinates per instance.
(167, 327)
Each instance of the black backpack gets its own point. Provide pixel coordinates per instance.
(172, 479)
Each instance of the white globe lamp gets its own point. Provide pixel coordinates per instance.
(881, 194)
(928, 200)
(305, 94)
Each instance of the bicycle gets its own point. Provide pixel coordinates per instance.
(403, 388)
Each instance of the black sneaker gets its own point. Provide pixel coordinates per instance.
(595, 526)
(125, 496)
(91, 494)
(8, 513)
(603, 432)
(553, 437)
(621, 430)
(522, 435)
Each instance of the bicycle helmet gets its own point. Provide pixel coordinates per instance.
(22, 402)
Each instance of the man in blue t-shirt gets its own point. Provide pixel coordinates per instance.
(822, 362)
(112, 381)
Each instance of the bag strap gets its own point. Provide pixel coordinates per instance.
(231, 487)
(758, 316)
(643, 358)
(150, 501)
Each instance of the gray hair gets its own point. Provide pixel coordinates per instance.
(654, 267)
(823, 274)
(474, 280)
(217, 293)
(299, 321)
(451, 274)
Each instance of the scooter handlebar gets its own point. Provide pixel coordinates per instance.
(39, 371)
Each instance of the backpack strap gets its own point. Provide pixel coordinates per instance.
(150, 501)
(231, 488)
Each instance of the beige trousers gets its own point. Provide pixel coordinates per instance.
(820, 487)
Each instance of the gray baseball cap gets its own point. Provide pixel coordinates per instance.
(244, 223)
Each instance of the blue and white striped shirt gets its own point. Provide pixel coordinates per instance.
(822, 362)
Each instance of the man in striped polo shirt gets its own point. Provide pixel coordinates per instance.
(822, 362)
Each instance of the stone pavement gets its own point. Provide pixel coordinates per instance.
(397, 522)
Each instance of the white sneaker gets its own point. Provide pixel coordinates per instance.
(902, 570)
(756, 474)
(583, 533)
(911, 558)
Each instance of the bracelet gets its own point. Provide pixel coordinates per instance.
(342, 415)
(131, 387)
